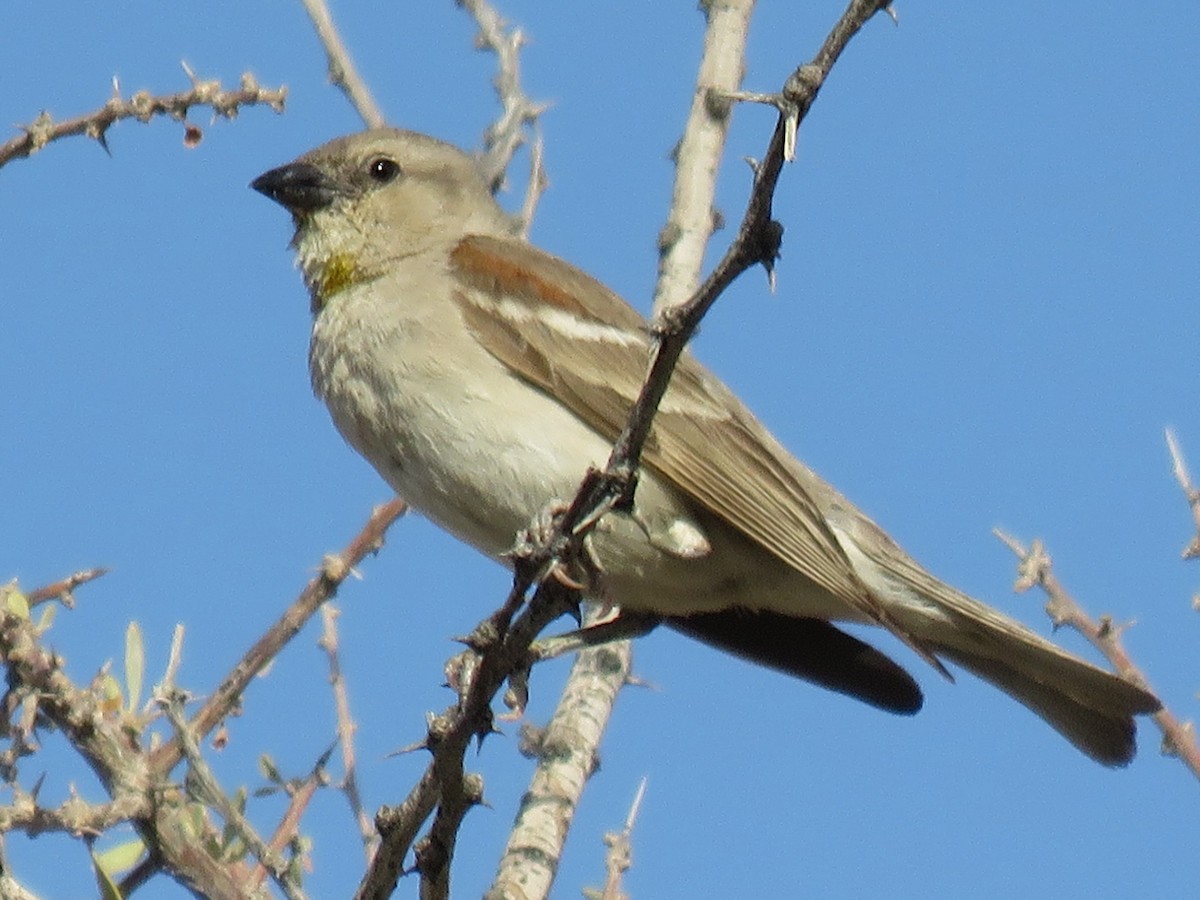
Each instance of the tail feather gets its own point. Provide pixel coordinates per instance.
(1091, 708)
(812, 649)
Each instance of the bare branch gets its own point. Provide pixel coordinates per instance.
(334, 571)
(342, 72)
(75, 816)
(538, 838)
(506, 135)
(757, 242)
(537, 181)
(1035, 570)
(568, 754)
(143, 106)
(619, 858)
(498, 648)
(1184, 477)
(202, 784)
(346, 729)
(63, 590)
(106, 740)
(690, 221)
(300, 795)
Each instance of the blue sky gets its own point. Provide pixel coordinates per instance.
(985, 316)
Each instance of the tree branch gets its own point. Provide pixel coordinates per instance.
(334, 571)
(1183, 476)
(142, 106)
(342, 72)
(1179, 738)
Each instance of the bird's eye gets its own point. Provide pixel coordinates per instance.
(382, 169)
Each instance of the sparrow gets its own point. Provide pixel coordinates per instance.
(481, 377)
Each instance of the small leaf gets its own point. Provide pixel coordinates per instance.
(120, 858)
(49, 611)
(135, 664)
(104, 881)
(16, 602)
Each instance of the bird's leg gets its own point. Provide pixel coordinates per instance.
(625, 625)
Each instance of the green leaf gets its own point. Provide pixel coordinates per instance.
(16, 602)
(120, 858)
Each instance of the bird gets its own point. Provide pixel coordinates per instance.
(481, 377)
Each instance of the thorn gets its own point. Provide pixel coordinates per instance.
(410, 748)
(791, 124)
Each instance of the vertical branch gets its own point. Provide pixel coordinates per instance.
(342, 72)
(691, 220)
(346, 728)
(1184, 477)
(567, 754)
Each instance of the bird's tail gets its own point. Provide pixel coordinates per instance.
(1091, 708)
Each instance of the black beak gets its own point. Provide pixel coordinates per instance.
(299, 187)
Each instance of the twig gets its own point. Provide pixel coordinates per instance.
(142, 106)
(1035, 569)
(537, 183)
(499, 649)
(342, 72)
(559, 779)
(289, 825)
(74, 816)
(203, 786)
(506, 135)
(334, 571)
(619, 858)
(346, 729)
(41, 688)
(1179, 467)
(757, 243)
(63, 590)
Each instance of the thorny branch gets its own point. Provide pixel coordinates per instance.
(202, 784)
(143, 106)
(138, 780)
(335, 570)
(757, 243)
(538, 836)
(1035, 568)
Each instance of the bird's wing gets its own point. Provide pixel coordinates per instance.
(569, 335)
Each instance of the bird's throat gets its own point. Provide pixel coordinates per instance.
(328, 276)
